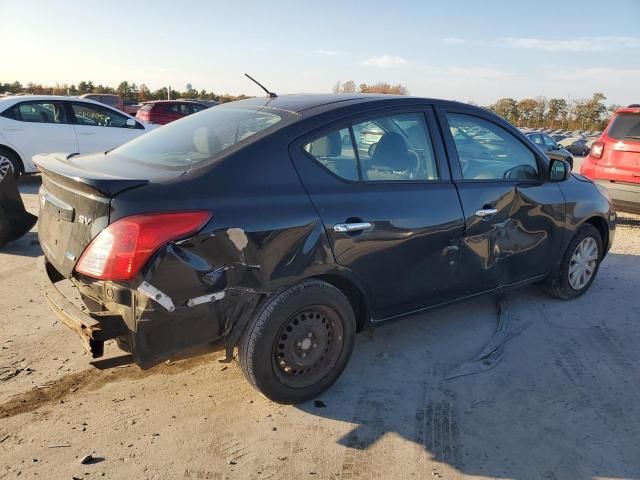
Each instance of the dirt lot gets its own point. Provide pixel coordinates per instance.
(562, 404)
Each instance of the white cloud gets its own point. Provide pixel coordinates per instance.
(386, 61)
(578, 44)
(329, 53)
(461, 41)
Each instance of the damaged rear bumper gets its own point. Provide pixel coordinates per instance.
(94, 328)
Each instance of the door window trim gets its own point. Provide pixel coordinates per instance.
(452, 151)
(426, 110)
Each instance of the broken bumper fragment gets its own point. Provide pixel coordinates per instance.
(94, 328)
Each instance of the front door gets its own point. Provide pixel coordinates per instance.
(389, 207)
(513, 217)
(101, 128)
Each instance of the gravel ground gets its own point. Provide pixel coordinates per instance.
(562, 404)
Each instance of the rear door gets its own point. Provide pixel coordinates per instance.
(100, 128)
(391, 212)
(513, 216)
(35, 127)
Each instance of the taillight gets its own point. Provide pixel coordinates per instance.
(596, 149)
(121, 249)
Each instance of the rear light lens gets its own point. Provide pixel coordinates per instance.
(596, 149)
(121, 250)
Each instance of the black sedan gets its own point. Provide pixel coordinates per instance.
(549, 146)
(256, 225)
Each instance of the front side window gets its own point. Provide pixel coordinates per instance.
(96, 116)
(489, 152)
(39, 112)
(390, 148)
(200, 138)
(548, 141)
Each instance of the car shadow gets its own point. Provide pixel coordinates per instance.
(561, 404)
(29, 184)
(26, 246)
(628, 220)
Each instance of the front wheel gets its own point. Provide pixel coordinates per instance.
(577, 270)
(299, 343)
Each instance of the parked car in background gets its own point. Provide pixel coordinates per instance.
(550, 147)
(575, 146)
(614, 159)
(34, 124)
(206, 103)
(114, 101)
(131, 107)
(161, 112)
(285, 242)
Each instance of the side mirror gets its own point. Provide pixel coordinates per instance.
(559, 170)
(131, 122)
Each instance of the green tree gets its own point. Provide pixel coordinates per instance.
(507, 108)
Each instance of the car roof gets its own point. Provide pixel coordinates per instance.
(312, 104)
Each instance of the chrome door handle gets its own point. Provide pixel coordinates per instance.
(351, 227)
(12, 129)
(486, 212)
(85, 133)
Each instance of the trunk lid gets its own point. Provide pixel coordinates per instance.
(75, 200)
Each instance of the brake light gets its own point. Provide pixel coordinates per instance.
(121, 249)
(596, 149)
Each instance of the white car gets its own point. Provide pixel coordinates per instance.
(36, 124)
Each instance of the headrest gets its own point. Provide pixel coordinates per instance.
(328, 146)
(392, 152)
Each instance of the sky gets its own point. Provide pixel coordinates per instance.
(464, 50)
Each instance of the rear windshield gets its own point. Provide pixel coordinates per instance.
(146, 107)
(625, 126)
(200, 137)
(111, 101)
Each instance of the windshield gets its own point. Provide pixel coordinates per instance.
(625, 126)
(202, 136)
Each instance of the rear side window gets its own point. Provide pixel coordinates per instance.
(146, 107)
(390, 148)
(38, 112)
(335, 152)
(199, 138)
(489, 152)
(625, 126)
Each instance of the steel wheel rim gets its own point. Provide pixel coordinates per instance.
(583, 263)
(308, 346)
(5, 166)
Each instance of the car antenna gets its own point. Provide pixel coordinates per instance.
(271, 94)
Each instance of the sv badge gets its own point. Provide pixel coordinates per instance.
(84, 220)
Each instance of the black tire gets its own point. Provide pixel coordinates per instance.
(16, 164)
(558, 284)
(317, 308)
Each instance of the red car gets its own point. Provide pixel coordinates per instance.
(614, 159)
(162, 112)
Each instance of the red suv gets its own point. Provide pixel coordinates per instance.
(614, 159)
(162, 112)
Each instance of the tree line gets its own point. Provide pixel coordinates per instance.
(381, 87)
(127, 90)
(569, 114)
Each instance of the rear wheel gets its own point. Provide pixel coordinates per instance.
(579, 266)
(9, 161)
(300, 342)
